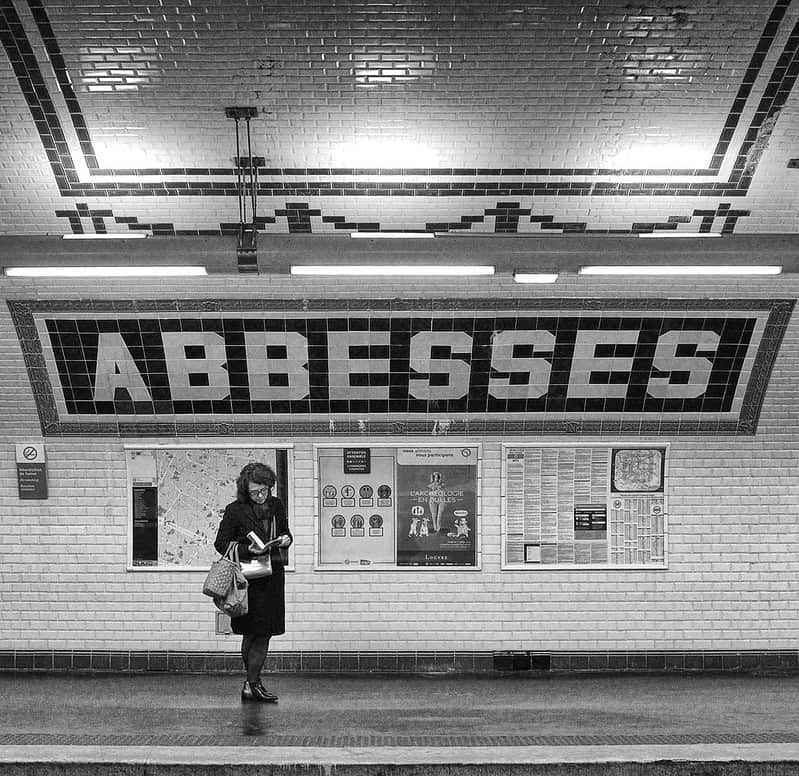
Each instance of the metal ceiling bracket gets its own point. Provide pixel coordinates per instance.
(247, 187)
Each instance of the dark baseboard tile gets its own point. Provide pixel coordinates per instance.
(519, 662)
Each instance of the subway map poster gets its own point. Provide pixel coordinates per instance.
(598, 506)
(177, 496)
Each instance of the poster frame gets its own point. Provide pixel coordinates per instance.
(395, 443)
(572, 567)
(287, 446)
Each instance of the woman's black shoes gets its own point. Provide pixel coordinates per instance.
(257, 692)
(266, 696)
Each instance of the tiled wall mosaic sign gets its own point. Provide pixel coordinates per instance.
(438, 366)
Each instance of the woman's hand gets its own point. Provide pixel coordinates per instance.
(285, 540)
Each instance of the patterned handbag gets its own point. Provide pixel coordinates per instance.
(235, 603)
(220, 576)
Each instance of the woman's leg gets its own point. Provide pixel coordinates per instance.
(257, 649)
(246, 642)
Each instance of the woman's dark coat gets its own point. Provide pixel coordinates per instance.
(267, 601)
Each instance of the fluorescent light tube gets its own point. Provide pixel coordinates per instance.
(680, 234)
(404, 270)
(115, 236)
(88, 272)
(675, 269)
(535, 277)
(392, 235)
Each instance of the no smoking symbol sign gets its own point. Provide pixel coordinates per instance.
(31, 471)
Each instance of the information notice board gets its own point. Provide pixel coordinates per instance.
(397, 506)
(176, 497)
(586, 506)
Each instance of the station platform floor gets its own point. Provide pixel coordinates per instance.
(491, 725)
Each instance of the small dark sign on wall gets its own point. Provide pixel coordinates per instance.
(357, 460)
(590, 521)
(31, 471)
(145, 526)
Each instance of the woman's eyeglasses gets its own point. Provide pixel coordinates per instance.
(259, 491)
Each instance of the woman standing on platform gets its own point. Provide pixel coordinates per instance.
(257, 510)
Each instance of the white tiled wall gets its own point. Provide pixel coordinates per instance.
(733, 531)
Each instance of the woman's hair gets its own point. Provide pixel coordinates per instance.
(256, 472)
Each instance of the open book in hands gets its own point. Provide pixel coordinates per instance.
(257, 547)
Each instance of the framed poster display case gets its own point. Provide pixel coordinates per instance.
(177, 494)
(590, 505)
(388, 506)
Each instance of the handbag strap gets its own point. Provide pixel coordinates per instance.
(232, 552)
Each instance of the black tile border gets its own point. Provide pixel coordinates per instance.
(507, 218)
(27, 69)
(22, 314)
(503, 662)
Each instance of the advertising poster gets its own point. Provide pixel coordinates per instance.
(397, 507)
(437, 507)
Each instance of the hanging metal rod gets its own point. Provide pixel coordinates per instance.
(246, 178)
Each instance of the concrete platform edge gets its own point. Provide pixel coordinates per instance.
(664, 760)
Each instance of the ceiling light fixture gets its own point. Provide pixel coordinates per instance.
(392, 269)
(535, 277)
(392, 235)
(112, 236)
(90, 272)
(686, 269)
(680, 234)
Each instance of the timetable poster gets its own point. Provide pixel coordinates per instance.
(594, 505)
(436, 506)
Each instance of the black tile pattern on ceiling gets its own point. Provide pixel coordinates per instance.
(34, 88)
(777, 91)
(507, 214)
(28, 72)
(64, 82)
(67, 341)
(747, 82)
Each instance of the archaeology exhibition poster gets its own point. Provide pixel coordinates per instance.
(437, 506)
